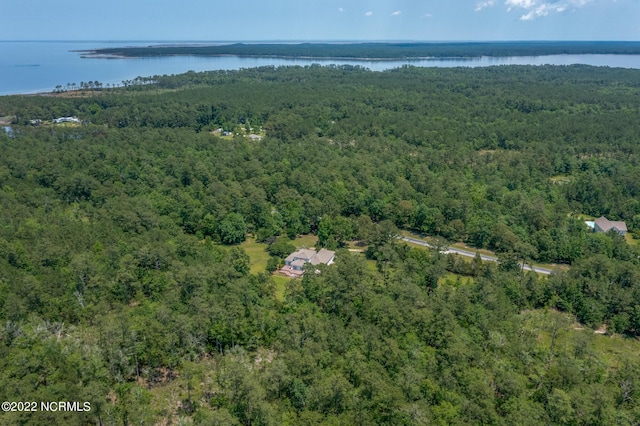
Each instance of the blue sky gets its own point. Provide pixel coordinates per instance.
(255, 20)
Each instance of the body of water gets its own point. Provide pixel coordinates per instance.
(31, 67)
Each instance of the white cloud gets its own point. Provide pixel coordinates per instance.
(340, 10)
(396, 13)
(524, 4)
(533, 9)
(484, 5)
(426, 15)
(369, 13)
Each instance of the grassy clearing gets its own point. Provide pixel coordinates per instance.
(372, 265)
(253, 134)
(413, 234)
(630, 240)
(615, 349)
(357, 246)
(463, 246)
(581, 216)
(258, 258)
(305, 241)
(192, 378)
(455, 280)
(258, 251)
(415, 245)
(281, 286)
(258, 255)
(612, 350)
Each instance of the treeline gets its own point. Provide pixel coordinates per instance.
(119, 272)
(381, 50)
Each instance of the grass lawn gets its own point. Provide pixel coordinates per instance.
(281, 286)
(305, 241)
(258, 256)
(630, 240)
(581, 216)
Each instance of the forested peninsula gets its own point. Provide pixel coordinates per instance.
(142, 227)
(377, 50)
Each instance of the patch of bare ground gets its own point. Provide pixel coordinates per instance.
(602, 329)
(72, 94)
(264, 356)
(560, 180)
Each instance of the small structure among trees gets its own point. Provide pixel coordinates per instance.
(61, 120)
(602, 224)
(294, 263)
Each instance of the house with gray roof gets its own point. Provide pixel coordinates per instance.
(294, 263)
(602, 224)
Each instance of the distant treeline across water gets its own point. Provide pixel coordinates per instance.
(380, 50)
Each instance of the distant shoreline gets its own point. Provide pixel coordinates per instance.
(99, 55)
(370, 51)
(62, 64)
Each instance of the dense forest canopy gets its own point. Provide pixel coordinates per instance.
(124, 279)
(380, 50)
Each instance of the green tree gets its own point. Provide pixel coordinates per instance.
(281, 247)
(232, 229)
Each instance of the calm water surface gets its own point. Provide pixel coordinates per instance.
(29, 67)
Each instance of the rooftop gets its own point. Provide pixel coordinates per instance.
(606, 225)
(296, 260)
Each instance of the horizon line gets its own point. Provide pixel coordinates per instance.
(289, 41)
